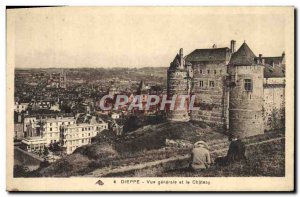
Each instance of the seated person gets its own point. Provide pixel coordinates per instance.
(236, 152)
(200, 156)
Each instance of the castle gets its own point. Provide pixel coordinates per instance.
(236, 90)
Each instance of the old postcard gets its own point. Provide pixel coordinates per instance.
(150, 99)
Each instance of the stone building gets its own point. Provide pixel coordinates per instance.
(274, 90)
(210, 71)
(236, 90)
(58, 80)
(246, 93)
(62, 80)
(179, 78)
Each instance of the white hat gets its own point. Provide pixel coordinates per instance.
(201, 143)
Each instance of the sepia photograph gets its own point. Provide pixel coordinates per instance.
(150, 98)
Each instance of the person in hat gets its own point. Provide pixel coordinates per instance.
(236, 151)
(200, 156)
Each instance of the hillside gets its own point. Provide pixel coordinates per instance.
(143, 145)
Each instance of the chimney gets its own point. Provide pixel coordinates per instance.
(283, 58)
(232, 46)
(181, 57)
(260, 58)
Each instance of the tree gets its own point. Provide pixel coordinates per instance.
(276, 119)
(40, 152)
(46, 151)
(54, 147)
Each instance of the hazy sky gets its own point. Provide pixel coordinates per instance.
(107, 37)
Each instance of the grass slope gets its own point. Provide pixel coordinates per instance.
(143, 145)
(262, 160)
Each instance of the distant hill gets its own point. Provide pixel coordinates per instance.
(150, 74)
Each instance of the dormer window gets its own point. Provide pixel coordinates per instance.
(248, 84)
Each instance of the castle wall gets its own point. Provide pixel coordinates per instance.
(246, 107)
(274, 99)
(178, 84)
(210, 90)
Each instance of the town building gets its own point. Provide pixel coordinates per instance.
(21, 107)
(52, 126)
(58, 80)
(69, 132)
(76, 135)
(34, 144)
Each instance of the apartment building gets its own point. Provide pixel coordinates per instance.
(76, 135)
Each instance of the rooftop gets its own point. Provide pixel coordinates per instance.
(273, 72)
(213, 54)
(243, 57)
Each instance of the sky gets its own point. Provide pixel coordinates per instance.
(136, 37)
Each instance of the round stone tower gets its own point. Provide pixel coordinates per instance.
(179, 83)
(246, 93)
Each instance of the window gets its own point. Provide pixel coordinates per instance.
(215, 72)
(196, 83)
(50, 124)
(248, 84)
(211, 84)
(200, 71)
(208, 71)
(50, 129)
(82, 129)
(201, 84)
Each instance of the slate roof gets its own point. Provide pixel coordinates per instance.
(244, 56)
(270, 60)
(176, 62)
(204, 55)
(273, 72)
